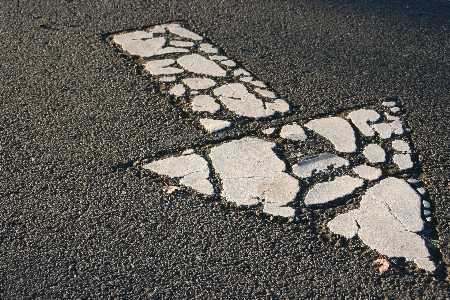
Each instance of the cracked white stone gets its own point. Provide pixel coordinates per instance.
(331, 190)
(182, 44)
(367, 172)
(217, 57)
(177, 90)
(337, 130)
(183, 32)
(389, 103)
(199, 83)
(397, 126)
(421, 191)
(238, 99)
(159, 29)
(293, 132)
(228, 63)
(265, 93)
(426, 204)
(388, 216)
(360, 119)
(395, 109)
(142, 43)
(187, 152)
(403, 161)
(161, 67)
(192, 171)
(278, 105)
(320, 163)
(269, 130)
(401, 146)
(205, 103)
(246, 78)
(251, 173)
(383, 129)
(212, 125)
(239, 72)
(392, 118)
(201, 65)
(374, 153)
(258, 83)
(208, 48)
(167, 79)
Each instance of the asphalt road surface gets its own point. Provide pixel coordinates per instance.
(81, 219)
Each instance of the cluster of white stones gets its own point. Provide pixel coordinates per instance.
(390, 212)
(192, 68)
(389, 216)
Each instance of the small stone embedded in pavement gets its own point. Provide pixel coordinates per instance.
(212, 125)
(374, 153)
(332, 190)
(293, 132)
(337, 130)
(320, 163)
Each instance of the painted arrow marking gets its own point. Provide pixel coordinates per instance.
(370, 153)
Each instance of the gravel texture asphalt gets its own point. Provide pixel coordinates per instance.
(80, 220)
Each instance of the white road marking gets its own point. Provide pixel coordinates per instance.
(337, 130)
(401, 146)
(199, 83)
(198, 64)
(178, 90)
(161, 67)
(265, 93)
(320, 163)
(360, 119)
(212, 125)
(374, 153)
(205, 103)
(367, 172)
(183, 32)
(403, 161)
(293, 132)
(328, 191)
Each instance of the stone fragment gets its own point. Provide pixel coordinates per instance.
(208, 48)
(161, 67)
(403, 161)
(426, 204)
(218, 57)
(159, 29)
(205, 103)
(293, 132)
(383, 129)
(401, 146)
(239, 72)
(183, 32)
(228, 63)
(367, 172)
(212, 125)
(388, 216)
(421, 191)
(389, 103)
(265, 93)
(337, 130)
(258, 83)
(392, 118)
(142, 43)
(187, 152)
(269, 131)
(246, 78)
(167, 79)
(196, 63)
(277, 105)
(374, 153)
(413, 181)
(251, 173)
(178, 90)
(395, 109)
(426, 213)
(360, 119)
(397, 126)
(331, 190)
(182, 44)
(192, 170)
(320, 163)
(199, 83)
